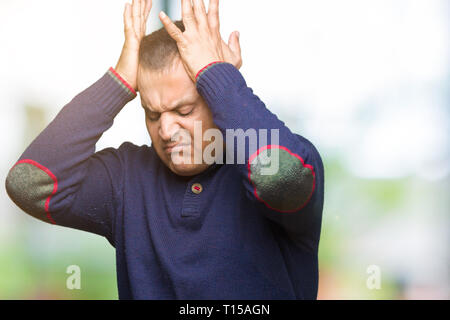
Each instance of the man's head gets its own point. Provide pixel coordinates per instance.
(171, 102)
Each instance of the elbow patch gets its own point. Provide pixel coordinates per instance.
(31, 186)
(287, 189)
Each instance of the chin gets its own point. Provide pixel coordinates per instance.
(180, 168)
(187, 170)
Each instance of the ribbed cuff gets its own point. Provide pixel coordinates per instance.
(206, 68)
(215, 82)
(121, 80)
(110, 93)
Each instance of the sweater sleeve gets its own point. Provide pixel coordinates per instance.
(59, 178)
(282, 172)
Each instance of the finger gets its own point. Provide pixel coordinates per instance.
(142, 20)
(200, 13)
(171, 28)
(148, 8)
(213, 15)
(128, 19)
(188, 14)
(135, 4)
(234, 43)
(142, 8)
(137, 21)
(135, 11)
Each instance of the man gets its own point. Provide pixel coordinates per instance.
(183, 227)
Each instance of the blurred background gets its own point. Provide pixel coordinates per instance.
(367, 81)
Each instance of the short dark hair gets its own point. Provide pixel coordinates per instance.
(158, 49)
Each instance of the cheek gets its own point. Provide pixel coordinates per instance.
(204, 115)
(188, 130)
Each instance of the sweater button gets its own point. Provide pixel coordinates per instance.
(197, 188)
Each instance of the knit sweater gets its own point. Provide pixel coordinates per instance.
(230, 232)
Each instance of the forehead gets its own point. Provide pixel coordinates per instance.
(163, 90)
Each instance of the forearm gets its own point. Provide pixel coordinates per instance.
(55, 162)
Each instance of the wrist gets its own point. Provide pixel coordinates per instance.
(123, 78)
(128, 64)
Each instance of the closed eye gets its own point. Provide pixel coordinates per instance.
(182, 111)
(185, 111)
(185, 114)
(152, 116)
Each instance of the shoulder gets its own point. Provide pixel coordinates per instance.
(134, 154)
(129, 148)
(128, 155)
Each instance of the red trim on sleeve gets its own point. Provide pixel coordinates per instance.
(291, 153)
(122, 80)
(209, 65)
(55, 184)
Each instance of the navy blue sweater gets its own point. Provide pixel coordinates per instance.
(242, 235)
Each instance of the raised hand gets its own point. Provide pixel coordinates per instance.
(232, 50)
(135, 20)
(201, 43)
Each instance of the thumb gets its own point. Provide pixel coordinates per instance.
(234, 43)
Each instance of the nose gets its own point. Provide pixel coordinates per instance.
(168, 126)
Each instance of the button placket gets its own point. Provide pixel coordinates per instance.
(192, 200)
(195, 195)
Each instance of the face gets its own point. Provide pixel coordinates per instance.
(172, 106)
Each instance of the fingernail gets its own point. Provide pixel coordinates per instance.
(162, 14)
(238, 34)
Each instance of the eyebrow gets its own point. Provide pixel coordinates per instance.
(180, 103)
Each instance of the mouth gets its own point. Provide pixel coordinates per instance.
(175, 148)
